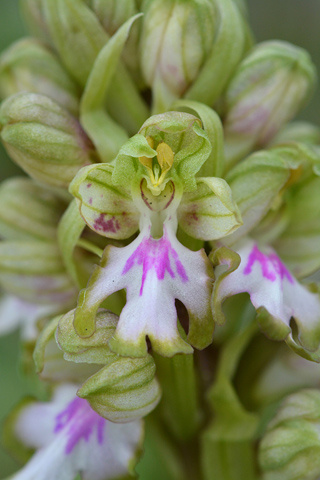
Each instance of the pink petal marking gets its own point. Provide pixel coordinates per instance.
(155, 254)
(80, 421)
(271, 265)
(101, 224)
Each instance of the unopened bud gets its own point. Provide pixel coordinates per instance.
(269, 87)
(33, 15)
(34, 271)
(291, 447)
(28, 211)
(43, 138)
(28, 66)
(124, 390)
(176, 40)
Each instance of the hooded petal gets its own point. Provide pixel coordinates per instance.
(274, 292)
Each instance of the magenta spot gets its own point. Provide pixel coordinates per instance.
(103, 225)
(89, 185)
(90, 201)
(271, 265)
(79, 421)
(155, 254)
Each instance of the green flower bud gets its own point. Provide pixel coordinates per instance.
(298, 132)
(299, 244)
(35, 272)
(28, 66)
(28, 211)
(269, 87)
(33, 15)
(92, 349)
(124, 390)
(50, 362)
(176, 40)
(291, 447)
(43, 138)
(112, 13)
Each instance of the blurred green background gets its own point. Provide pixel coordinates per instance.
(296, 21)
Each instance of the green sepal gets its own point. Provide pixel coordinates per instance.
(34, 19)
(226, 53)
(28, 211)
(69, 231)
(209, 212)
(93, 349)
(106, 134)
(108, 210)
(124, 390)
(214, 165)
(255, 184)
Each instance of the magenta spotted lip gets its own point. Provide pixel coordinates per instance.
(155, 255)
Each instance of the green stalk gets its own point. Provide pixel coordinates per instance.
(227, 445)
(180, 394)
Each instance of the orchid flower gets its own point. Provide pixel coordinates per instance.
(158, 167)
(253, 264)
(71, 439)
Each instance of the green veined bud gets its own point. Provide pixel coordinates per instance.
(33, 15)
(28, 211)
(28, 66)
(291, 447)
(177, 37)
(35, 272)
(124, 390)
(298, 131)
(44, 138)
(112, 13)
(269, 87)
